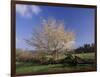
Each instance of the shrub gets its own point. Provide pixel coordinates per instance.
(69, 60)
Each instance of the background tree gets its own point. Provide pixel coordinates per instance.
(52, 37)
(86, 48)
(23, 55)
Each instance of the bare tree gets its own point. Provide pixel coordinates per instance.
(52, 37)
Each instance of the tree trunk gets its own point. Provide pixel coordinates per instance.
(55, 55)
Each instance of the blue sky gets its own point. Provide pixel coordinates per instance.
(79, 20)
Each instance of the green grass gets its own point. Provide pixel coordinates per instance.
(51, 68)
(22, 68)
(82, 55)
(86, 55)
(35, 68)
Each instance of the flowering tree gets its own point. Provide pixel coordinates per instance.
(52, 37)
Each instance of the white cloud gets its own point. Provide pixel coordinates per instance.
(35, 9)
(22, 10)
(27, 10)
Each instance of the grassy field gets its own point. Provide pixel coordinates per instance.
(86, 55)
(22, 68)
(52, 68)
